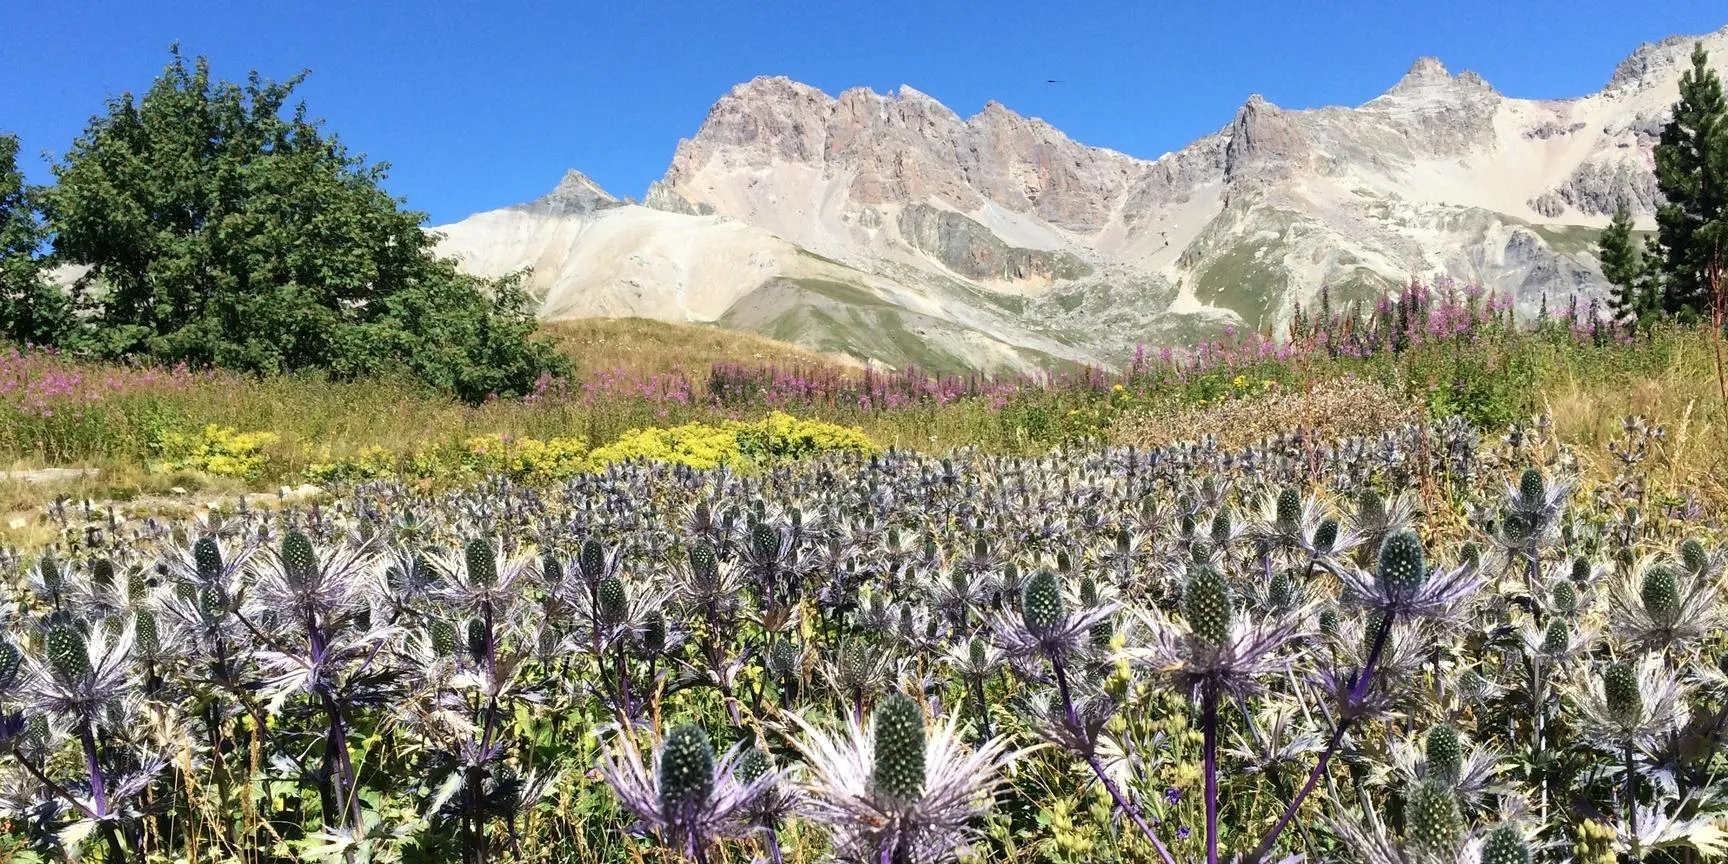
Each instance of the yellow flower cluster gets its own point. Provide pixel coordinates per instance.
(218, 450)
(534, 460)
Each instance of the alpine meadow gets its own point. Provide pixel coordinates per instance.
(883, 486)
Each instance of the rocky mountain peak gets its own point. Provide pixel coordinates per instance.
(575, 194)
(1655, 63)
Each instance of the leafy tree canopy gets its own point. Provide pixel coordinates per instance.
(223, 227)
(31, 310)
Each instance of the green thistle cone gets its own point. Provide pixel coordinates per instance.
(550, 569)
(765, 541)
(1532, 488)
(783, 658)
(1064, 561)
(853, 664)
(654, 633)
(52, 578)
(613, 600)
(1206, 605)
(1329, 621)
(68, 655)
(1370, 508)
(1221, 525)
(102, 573)
(704, 564)
(591, 559)
(212, 604)
(1470, 554)
(1505, 845)
(1620, 691)
(1556, 637)
(977, 653)
(1326, 535)
(1289, 508)
(1088, 591)
(898, 773)
(481, 563)
(1187, 524)
(1661, 595)
(1564, 595)
(1041, 604)
(299, 562)
(980, 547)
(476, 639)
(686, 773)
(752, 764)
(1372, 631)
(1402, 568)
(441, 634)
(1433, 823)
(1444, 754)
(1282, 591)
(207, 556)
(1693, 556)
(10, 662)
(145, 637)
(1515, 527)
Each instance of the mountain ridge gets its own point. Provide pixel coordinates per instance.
(997, 241)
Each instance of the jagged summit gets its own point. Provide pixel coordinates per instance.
(574, 194)
(889, 226)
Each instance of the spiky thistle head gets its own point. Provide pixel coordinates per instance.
(1660, 592)
(1580, 570)
(897, 775)
(1564, 595)
(1207, 606)
(1444, 753)
(482, 565)
(1041, 604)
(591, 560)
(11, 659)
(146, 637)
(1556, 637)
(1433, 823)
(1326, 535)
(299, 561)
(1221, 526)
(1328, 620)
(1289, 508)
(1505, 845)
(1621, 693)
(686, 771)
(704, 564)
(1402, 569)
(613, 600)
(753, 762)
(1281, 592)
(207, 556)
(441, 635)
(1693, 556)
(68, 655)
(1370, 508)
(1532, 488)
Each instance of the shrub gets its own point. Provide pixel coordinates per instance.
(221, 451)
(1342, 408)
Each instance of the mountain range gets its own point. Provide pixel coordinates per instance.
(888, 228)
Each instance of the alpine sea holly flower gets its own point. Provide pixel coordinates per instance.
(1213, 645)
(82, 679)
(1658, 606)
(1433, 834)
(1625, 703)
(1443, 755)
(1045, 625)
(903, 792)
(686, 795)
(1405, 585)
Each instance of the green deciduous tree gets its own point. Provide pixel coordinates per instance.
(31, 309)
(224, 227)
(1692, 174)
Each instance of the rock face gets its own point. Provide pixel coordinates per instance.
(889, 226)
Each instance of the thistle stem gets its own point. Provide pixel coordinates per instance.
(1209, 726)
(1632, 804)
(1358, 689)
(1127, 807)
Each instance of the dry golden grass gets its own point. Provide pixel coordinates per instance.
(1329, 410)
(1588, 414)
(646, 346)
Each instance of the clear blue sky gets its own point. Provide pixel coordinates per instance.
(478, 105)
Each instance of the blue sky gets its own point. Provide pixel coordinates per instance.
(478, 105)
